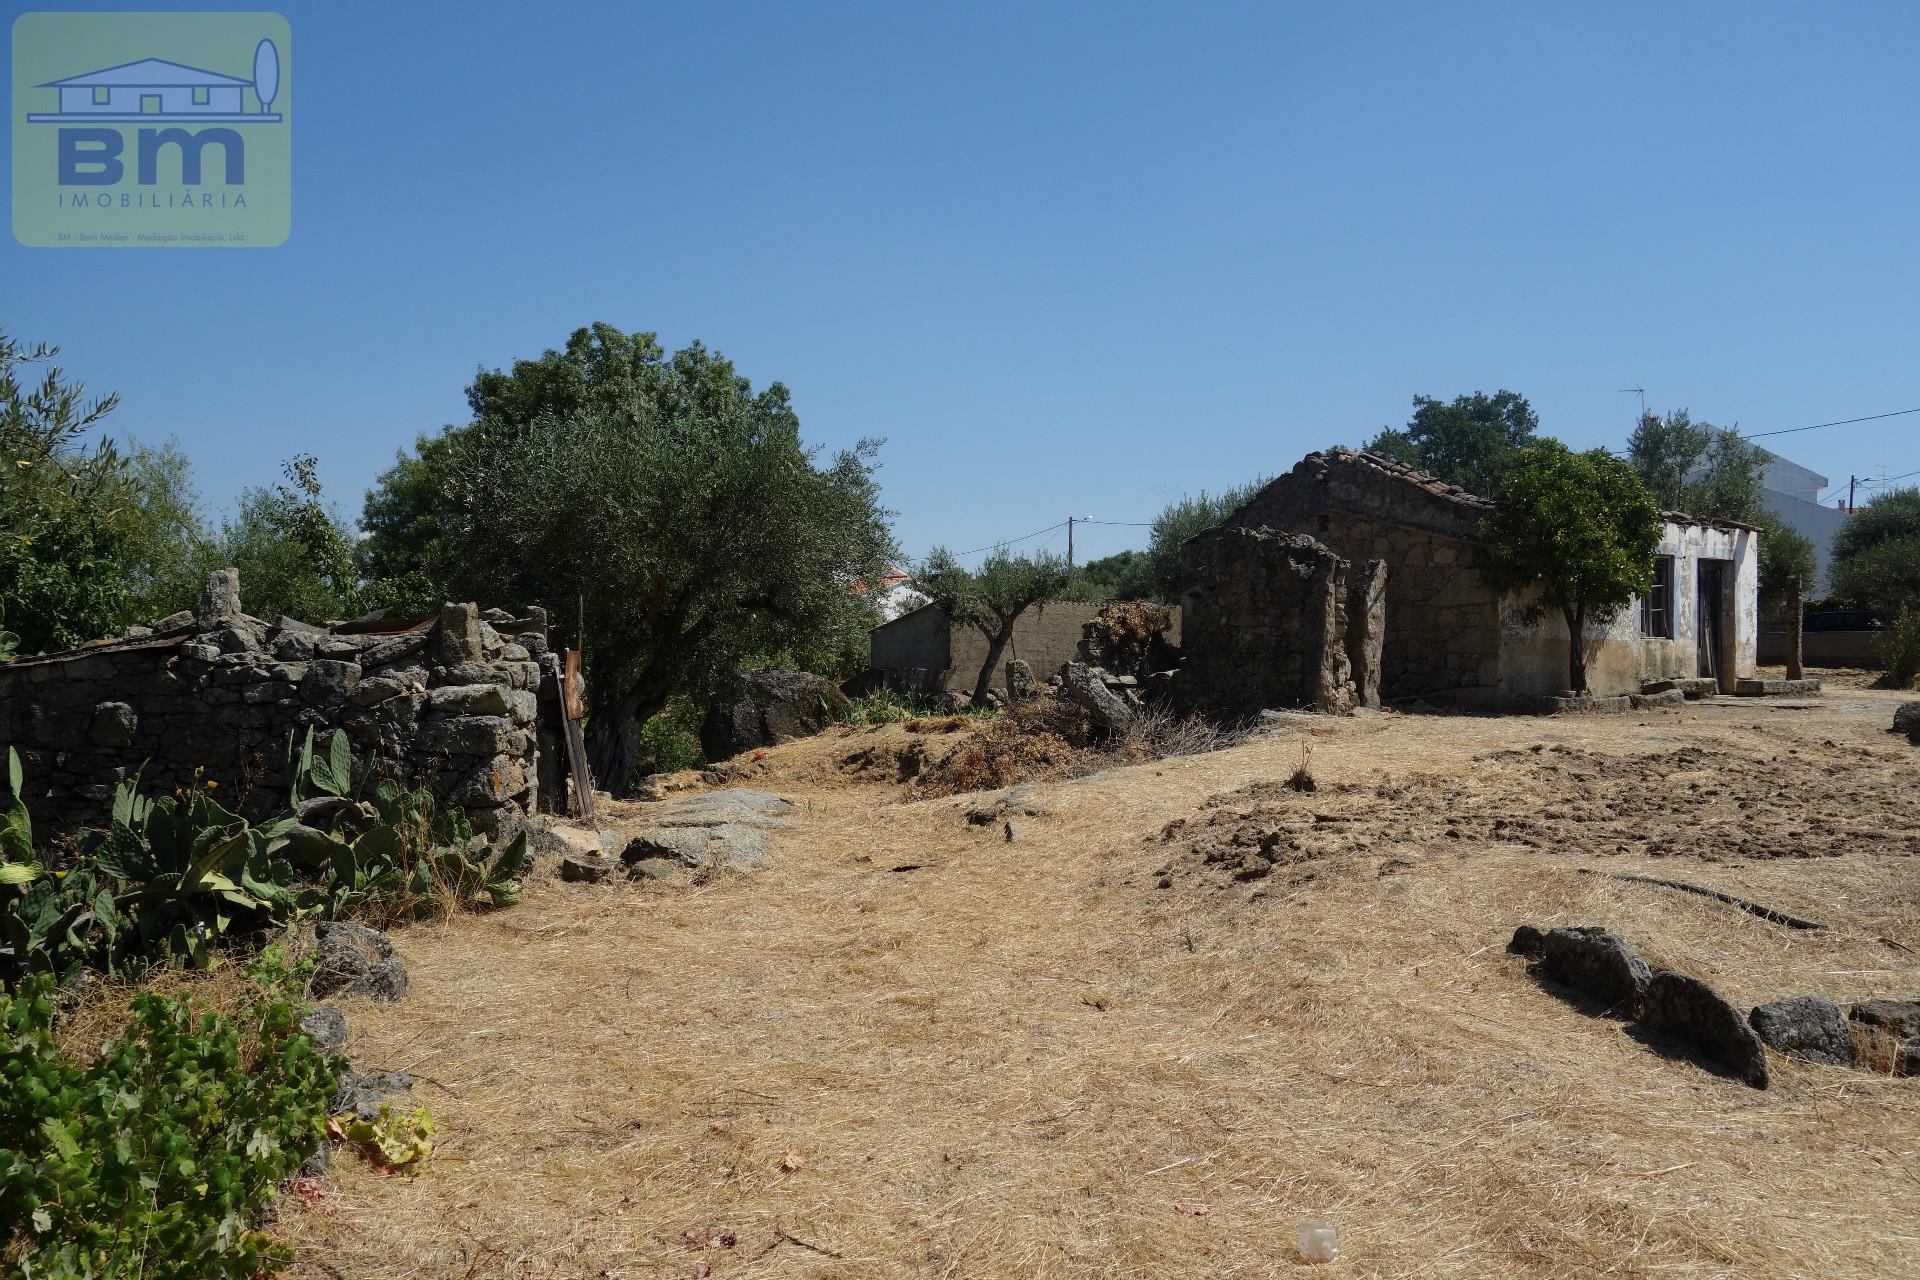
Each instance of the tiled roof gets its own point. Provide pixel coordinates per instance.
(1454, 493)
(1709, 522)
(1407, 475)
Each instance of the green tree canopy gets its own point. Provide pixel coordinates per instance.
(992, 597)
(92, 539)
(1120, 576)
(1471, 441)
(1877, 554)
(294, 550)
(663, 493)
(1179, 520)
(1579, 530)
(1705, 471)
(1665, 452)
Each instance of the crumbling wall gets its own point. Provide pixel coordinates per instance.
(1442, 630)
(210, 697)
(1442, 622)
(1264, 624)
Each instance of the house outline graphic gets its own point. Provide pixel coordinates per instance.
(153, 90)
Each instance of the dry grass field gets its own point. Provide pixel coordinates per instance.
(1114, 1047)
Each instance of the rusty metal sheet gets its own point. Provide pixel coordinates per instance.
(571, 691)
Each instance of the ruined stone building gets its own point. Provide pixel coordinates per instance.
(1445, 634)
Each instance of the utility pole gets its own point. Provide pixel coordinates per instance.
(1851, 482)
(1071, 520)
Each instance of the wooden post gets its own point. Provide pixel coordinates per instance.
(573, 710)
(1796, 618)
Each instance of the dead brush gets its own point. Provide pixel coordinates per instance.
(1302, 778)
(1157, 732)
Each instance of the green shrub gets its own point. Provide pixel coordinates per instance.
(1899, 647)
(671, 739)
(885, 706)
(157, 1159)
(171, 877)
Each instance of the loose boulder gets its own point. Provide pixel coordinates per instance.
(1692, 1011)
(1809, 1028)
(326, 1028)
(1597, 965)
(355, 961)
(363, 1094)
(1893, 1025)
(767, 707)
(1084, 685)
(1906, 719)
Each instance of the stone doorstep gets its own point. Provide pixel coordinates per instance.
(1746, 688)
(1555, 706)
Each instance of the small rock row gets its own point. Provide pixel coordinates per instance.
(1602, 970)
(353, 962)
(715, 831)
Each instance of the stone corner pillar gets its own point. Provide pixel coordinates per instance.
(219, 598)
(456, 636)
(1366, 628)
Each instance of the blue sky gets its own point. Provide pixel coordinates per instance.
(1067, 259)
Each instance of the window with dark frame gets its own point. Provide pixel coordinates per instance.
(1656, 607)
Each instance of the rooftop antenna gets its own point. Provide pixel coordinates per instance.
(1642, 393)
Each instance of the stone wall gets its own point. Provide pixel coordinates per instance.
(1442, 623)
(1267, 622)
(924, 651)
(211, 696)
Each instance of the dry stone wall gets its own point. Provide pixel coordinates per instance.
(1442, 621)
(1266, 623)
(211, 696)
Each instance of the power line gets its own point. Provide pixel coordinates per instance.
(1007, 542)
(1787, 431)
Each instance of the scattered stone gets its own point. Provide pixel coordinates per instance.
(768, 707)
(1020, 681)
(324, 1025)
(363, 1093)
(1894, 1024)
(1013, 802)
(1695, 688)
(1598, 965)
(1084, 685)
(1527, 941)
(585, 868)
(1013, 832)
(1809, 1028)
(1906, 719)
(1670, 697)
(354, 961)
(1693, 1011)
(174, 622)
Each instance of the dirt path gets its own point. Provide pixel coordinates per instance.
(1028, 1059)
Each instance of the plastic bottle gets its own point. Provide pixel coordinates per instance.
(1318, 1241)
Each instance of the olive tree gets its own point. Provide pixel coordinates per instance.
(661, 495)
(991, 599)
(1577, 533)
